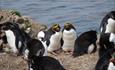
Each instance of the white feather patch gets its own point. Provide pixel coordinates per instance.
(40, 35)
(11, 40)
(110, 27)
(69, 38)
(111, 66)
(112, 38)
(90, 48)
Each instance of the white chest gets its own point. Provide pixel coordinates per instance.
(11, 40)
(69, 35)
(110, 27)
(55, 43)
(69, 38)
(111, 66)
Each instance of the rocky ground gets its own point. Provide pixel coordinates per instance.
(9, 62)
(85, 62)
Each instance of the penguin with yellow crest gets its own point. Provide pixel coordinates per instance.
(68, 37)
(52, 37)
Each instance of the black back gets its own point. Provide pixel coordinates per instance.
(45, 63)
(103, 62)
(83, 41)
(35, 47)
(104, 43)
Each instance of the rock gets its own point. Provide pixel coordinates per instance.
(25, 22)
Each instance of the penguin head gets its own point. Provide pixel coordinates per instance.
(56, 28)
(68, 26)
(8, 26)
(112, 15)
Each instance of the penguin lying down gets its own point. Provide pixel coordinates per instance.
(19, 41)
(85, 43)
(107, 61)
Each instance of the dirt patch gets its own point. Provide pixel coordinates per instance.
(85, 62)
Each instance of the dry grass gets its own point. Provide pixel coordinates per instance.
(85, 62)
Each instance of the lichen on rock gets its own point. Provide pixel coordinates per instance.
(25, 22)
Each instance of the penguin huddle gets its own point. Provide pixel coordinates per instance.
(21, 43)
(68, 41)
(56, 39)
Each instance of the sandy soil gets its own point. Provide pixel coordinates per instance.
(85, 62)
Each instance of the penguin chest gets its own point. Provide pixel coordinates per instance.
(11, 40)
(69, 38)
(110, 27)
(112, 38)
(111, 66)
(55, 41)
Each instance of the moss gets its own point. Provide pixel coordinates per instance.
(16, 13)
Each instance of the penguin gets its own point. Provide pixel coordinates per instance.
(19, 40)
(107, 61)
(108, 23)
(14, 37)
(85, 43)
(35, 47)
(52, 38)
(69, 36)
(44, 63)
(106, 42)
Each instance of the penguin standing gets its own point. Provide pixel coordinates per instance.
(85, 43)
(14, 37)
(19, 41)
(106, 42)
(53, 38)
(68, 37)
(108, 23)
